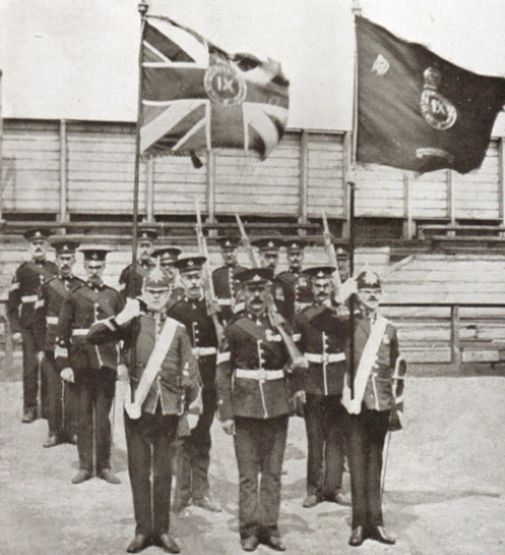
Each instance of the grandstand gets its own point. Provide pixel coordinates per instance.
(77, 177)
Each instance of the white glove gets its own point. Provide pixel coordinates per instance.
(17, 337)
(348, 288)
(67, 374)
(40, 356)
(300, 396)
(300, 363)
(229, 426)
(122, 372)
(192, 420)
(129, 312)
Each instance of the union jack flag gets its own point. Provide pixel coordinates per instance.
(197, 97)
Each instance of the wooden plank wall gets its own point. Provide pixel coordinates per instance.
(100, 169)
(87, 167)
(31, 166)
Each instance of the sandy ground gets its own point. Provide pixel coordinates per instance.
(445, 485)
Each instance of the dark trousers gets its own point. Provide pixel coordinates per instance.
(94, 426)
(365, 434)
(61, 401)
(259, 447)
(31, 377)
(324, 421)
(193, 454)
(149, 441)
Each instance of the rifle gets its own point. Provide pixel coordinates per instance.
(210, 295)
(276, 320)
(329, 247)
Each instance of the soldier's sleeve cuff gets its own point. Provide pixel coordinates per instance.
(112, 324)
(60, 352)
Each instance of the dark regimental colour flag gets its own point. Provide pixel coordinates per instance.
(197, 97)
(417, 111)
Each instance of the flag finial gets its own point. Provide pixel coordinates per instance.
(142, 7)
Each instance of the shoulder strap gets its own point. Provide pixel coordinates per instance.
(368, 357)
(58, 286)
(249, 327)
(40, 270)
(163, 344)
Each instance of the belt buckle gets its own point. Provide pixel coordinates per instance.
(325, 358)
(262, 375)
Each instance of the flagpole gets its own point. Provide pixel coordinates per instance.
(356, 10)
(142, 7)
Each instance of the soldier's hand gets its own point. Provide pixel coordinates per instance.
(67, 374)
(192, 420)
(300, 397)
(345, 290)
(17, 338)
(122, 372)
(300, 363)
(129, 312)
(40, 356)
(229, 426)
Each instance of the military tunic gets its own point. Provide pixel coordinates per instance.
(255, 389)
(366, 430)
(323, 338)
(292, 293)
(174, 391)
(51, 294)
(223, 279)
(126, 279)
(193, 454)
(94, 367)
(20, 307)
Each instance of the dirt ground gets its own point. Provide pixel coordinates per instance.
(445, 485)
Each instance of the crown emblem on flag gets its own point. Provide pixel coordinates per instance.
(438, 112)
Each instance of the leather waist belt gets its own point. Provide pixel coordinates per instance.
(224, 302)
(80, 331)
(324, 359)
(52, 320)
(29, 299)
(204, 351)
(260, 375)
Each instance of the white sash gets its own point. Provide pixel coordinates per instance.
(163, 344)
(368, 359)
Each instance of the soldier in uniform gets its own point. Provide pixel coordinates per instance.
(51, 295)
(343, 261)
(166, 257)
(20, 306)
(92, 369)
(224, 277)
(376, 353)
(292, 292)
(323, 340)
(145, 240)
(193, 452)
(165, 386)
(255, 392)
(269, 249)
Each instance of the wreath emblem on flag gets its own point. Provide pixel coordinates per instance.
(439, 112)
(224, 85)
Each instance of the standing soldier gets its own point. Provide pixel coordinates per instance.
(224, 278)
(323, 339)
(166, 257)
(255, 395)
(343, 261)
(51, 295)
(292, 292)
(92, 368)
(376, 356)
(193, 453)
(269, 249)
(146, 239)
(165, 386)
(20, 306)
